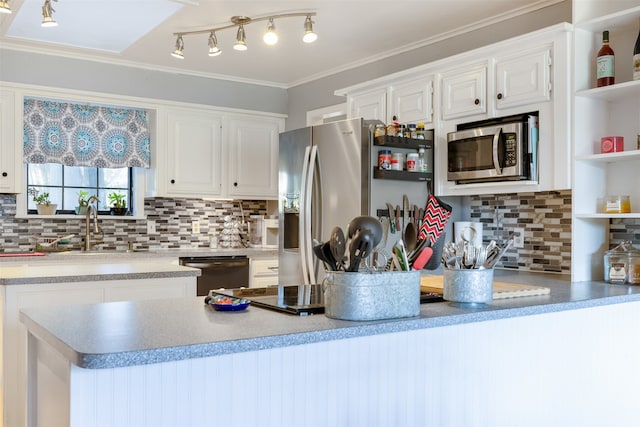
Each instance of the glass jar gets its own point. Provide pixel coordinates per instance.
(633, 268)
(616, 204)
(380, 130)
(617, 263)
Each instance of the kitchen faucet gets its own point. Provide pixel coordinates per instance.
(93, 207)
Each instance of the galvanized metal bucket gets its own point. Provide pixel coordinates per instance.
(468, 286)
(372, 295)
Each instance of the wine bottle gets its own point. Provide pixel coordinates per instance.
(605, 70)
(636, 58)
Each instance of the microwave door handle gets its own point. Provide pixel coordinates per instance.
(496, 140)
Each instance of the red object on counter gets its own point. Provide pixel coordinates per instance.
(14, 254)
(611, 144)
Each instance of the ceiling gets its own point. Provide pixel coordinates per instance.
(350, 32)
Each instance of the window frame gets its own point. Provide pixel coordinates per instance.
(136, 205)
(129, 191)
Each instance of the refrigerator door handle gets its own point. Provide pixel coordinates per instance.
(308, 190)
(302, 223)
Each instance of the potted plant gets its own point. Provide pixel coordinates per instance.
(43, 203)
(83, 202)
(118, 203)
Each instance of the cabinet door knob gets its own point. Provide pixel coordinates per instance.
(173, 181)
(499, 96)
(5, 174)
(477, 101)
(235, 184)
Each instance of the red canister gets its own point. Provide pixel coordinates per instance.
(611, 144)
(384, 159)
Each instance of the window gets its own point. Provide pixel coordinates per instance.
(63, 183)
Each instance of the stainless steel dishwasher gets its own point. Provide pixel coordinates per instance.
(228, 272)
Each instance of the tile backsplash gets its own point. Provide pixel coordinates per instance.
(546, 219)
(173, 218)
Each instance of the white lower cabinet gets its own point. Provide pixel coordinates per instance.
(14, 335)
(264, 272)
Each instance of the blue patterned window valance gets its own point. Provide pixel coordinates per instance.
(85, 135)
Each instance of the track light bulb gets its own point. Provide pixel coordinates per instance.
(177, 53)
(214, 50)
(4, 7)
(309, 35)
(270, 37)
(240, 40)
(47, 15)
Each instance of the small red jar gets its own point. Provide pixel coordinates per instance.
(611, 144)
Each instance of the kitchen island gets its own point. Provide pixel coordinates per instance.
(28, 283)
(566, 358)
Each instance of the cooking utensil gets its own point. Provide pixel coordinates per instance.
(401, 255)
(392, 218)
(423, 258)
(319, 253)
(405, 211)
(410, 236)
(398, 216)
(360, 247)
(492, 261)
(369, 223)
(328, 255)
(338, 246)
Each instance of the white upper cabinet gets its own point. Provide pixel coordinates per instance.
(8, 143)
(523, 78)
(464, 91)
(412, 101)
(252, 148)
(208, 153)
(193, 154)
(371, 105)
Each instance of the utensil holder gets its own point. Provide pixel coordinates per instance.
(468, 286)
(371, 295)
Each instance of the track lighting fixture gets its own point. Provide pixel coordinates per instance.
(214, 50)
(177, 53)
(270, 36)
(309, 35)
(4, 7)
(240, 39)
(47, 14)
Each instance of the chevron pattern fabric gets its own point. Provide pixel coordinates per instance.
(435, 219)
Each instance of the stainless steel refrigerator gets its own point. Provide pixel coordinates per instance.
(324, 181)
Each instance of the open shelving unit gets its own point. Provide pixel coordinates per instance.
(407, 145)
(599, 112)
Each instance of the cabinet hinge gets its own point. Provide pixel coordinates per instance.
(549, 61)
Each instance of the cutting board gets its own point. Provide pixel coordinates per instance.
(500, 289)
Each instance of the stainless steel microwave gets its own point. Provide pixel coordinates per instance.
(503, 149)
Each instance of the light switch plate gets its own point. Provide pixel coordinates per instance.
(518, 238)
(151, 227)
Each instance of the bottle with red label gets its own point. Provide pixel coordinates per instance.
(605, 64)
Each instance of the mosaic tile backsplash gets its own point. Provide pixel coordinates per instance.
(173, 219)
(545, 216)
(546, 219)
